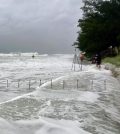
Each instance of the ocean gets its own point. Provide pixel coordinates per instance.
(49, 94)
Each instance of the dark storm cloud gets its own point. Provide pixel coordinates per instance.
(46, 26)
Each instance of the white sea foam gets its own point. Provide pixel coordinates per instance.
(12, 54)
(88, 100)
(41, 126)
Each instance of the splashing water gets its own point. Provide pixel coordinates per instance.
(80, 102)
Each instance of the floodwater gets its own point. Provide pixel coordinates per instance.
(45, 95)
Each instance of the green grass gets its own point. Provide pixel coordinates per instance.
(113, 60)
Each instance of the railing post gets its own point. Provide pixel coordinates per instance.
(105, 84)
(63, 84)
(7, 84)
(77, 84)
(29, 84)
(92, 84)
(18, 83)
(51, 83)
(40, 83)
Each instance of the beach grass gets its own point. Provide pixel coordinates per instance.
(113, 60)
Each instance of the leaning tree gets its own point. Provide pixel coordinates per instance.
(99, 26)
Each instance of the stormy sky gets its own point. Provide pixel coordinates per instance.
(44, 26)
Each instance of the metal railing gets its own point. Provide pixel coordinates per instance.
(63, 84)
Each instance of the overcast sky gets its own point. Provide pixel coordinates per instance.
(44, 26)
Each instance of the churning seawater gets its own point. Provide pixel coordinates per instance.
(44, 96)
